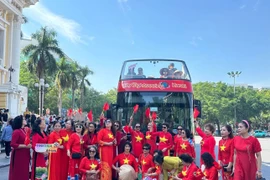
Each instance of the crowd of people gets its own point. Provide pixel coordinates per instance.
(170, 72)
(88, 152)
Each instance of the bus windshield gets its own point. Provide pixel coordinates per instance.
(154, 69)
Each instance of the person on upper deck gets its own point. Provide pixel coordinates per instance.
(172, 69)
(164, 72)
(140, 73)
(177, 74)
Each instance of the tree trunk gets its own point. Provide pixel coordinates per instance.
(73, 98)
(60, 92)
(82, 98)
(218, 126)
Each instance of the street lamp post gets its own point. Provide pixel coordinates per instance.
(41, 85)
(10, 69)
(234, 75)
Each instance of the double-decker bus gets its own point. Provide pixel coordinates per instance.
(162, 85)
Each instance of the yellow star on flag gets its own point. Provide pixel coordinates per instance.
(163, 139)
(222, 148)
(184, 173)
(184, 146)
(138, 138)
(66, 138)
(143, 162)
(148, 136)
(126, 161)
(93, 166)
(59, 140)
(110, 136)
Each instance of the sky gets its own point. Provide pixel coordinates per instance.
(212, 37)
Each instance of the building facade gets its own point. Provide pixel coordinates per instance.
(12, 95)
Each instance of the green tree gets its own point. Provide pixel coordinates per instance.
(41, 56)
(111, 95)
(74, 75)
(84, 72)
(62, 80)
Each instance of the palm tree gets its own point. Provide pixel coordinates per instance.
(42, 57)
(74, 73)
(62, 80)
(84, 72)
(25, 20)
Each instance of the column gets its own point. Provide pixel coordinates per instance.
(16, 49)
(9, 35)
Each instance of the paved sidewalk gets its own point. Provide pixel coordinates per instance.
(3, 161)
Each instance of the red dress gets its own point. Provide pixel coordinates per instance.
(20, 157)
(129, 159)
(208, 143)
(39, 160)
(212, 173)
(146, 162)
(165, 141)
(87, 165)
(175, 139)
(184, 147)
(137, 139)
(191, 173)
(105, 153)
(54, 168)
(225, 155)
(89, 139)
(65, 135)
(245, 165)
(74, 144)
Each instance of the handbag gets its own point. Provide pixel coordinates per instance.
(225, 169)
(76, 155)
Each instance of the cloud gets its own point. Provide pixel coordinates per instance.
(195, 40)
(255, 7)
(64, 26)
(243, 7)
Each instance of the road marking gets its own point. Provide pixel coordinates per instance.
(266, 164)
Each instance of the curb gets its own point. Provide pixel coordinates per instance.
(4, 165)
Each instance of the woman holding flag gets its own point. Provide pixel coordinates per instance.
(137, 137)
(106, 140)
(149, 138)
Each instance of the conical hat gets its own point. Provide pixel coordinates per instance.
(127, 173)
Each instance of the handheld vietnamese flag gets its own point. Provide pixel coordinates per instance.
(90, 116)
(80, 110)
(154, 116)
(69, 112)
(135, 109)
(106, 106)
(126, 129)
(147, 112)
(196, 113)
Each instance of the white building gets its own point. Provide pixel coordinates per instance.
(12, 95)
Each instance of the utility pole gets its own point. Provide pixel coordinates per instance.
(234, 75)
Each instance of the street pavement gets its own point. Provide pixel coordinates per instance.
(265, 143)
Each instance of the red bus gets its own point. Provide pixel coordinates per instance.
(163, 85)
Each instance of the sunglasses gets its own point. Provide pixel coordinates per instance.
(116, 125)
(137, 126)
(92, 151)
(107, 121)
(164, 127)
(145, 148)
(79, 127)
(179, 129)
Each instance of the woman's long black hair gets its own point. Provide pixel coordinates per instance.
(94, 124)
(208, 160)
(36, 128)
(17, 122)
